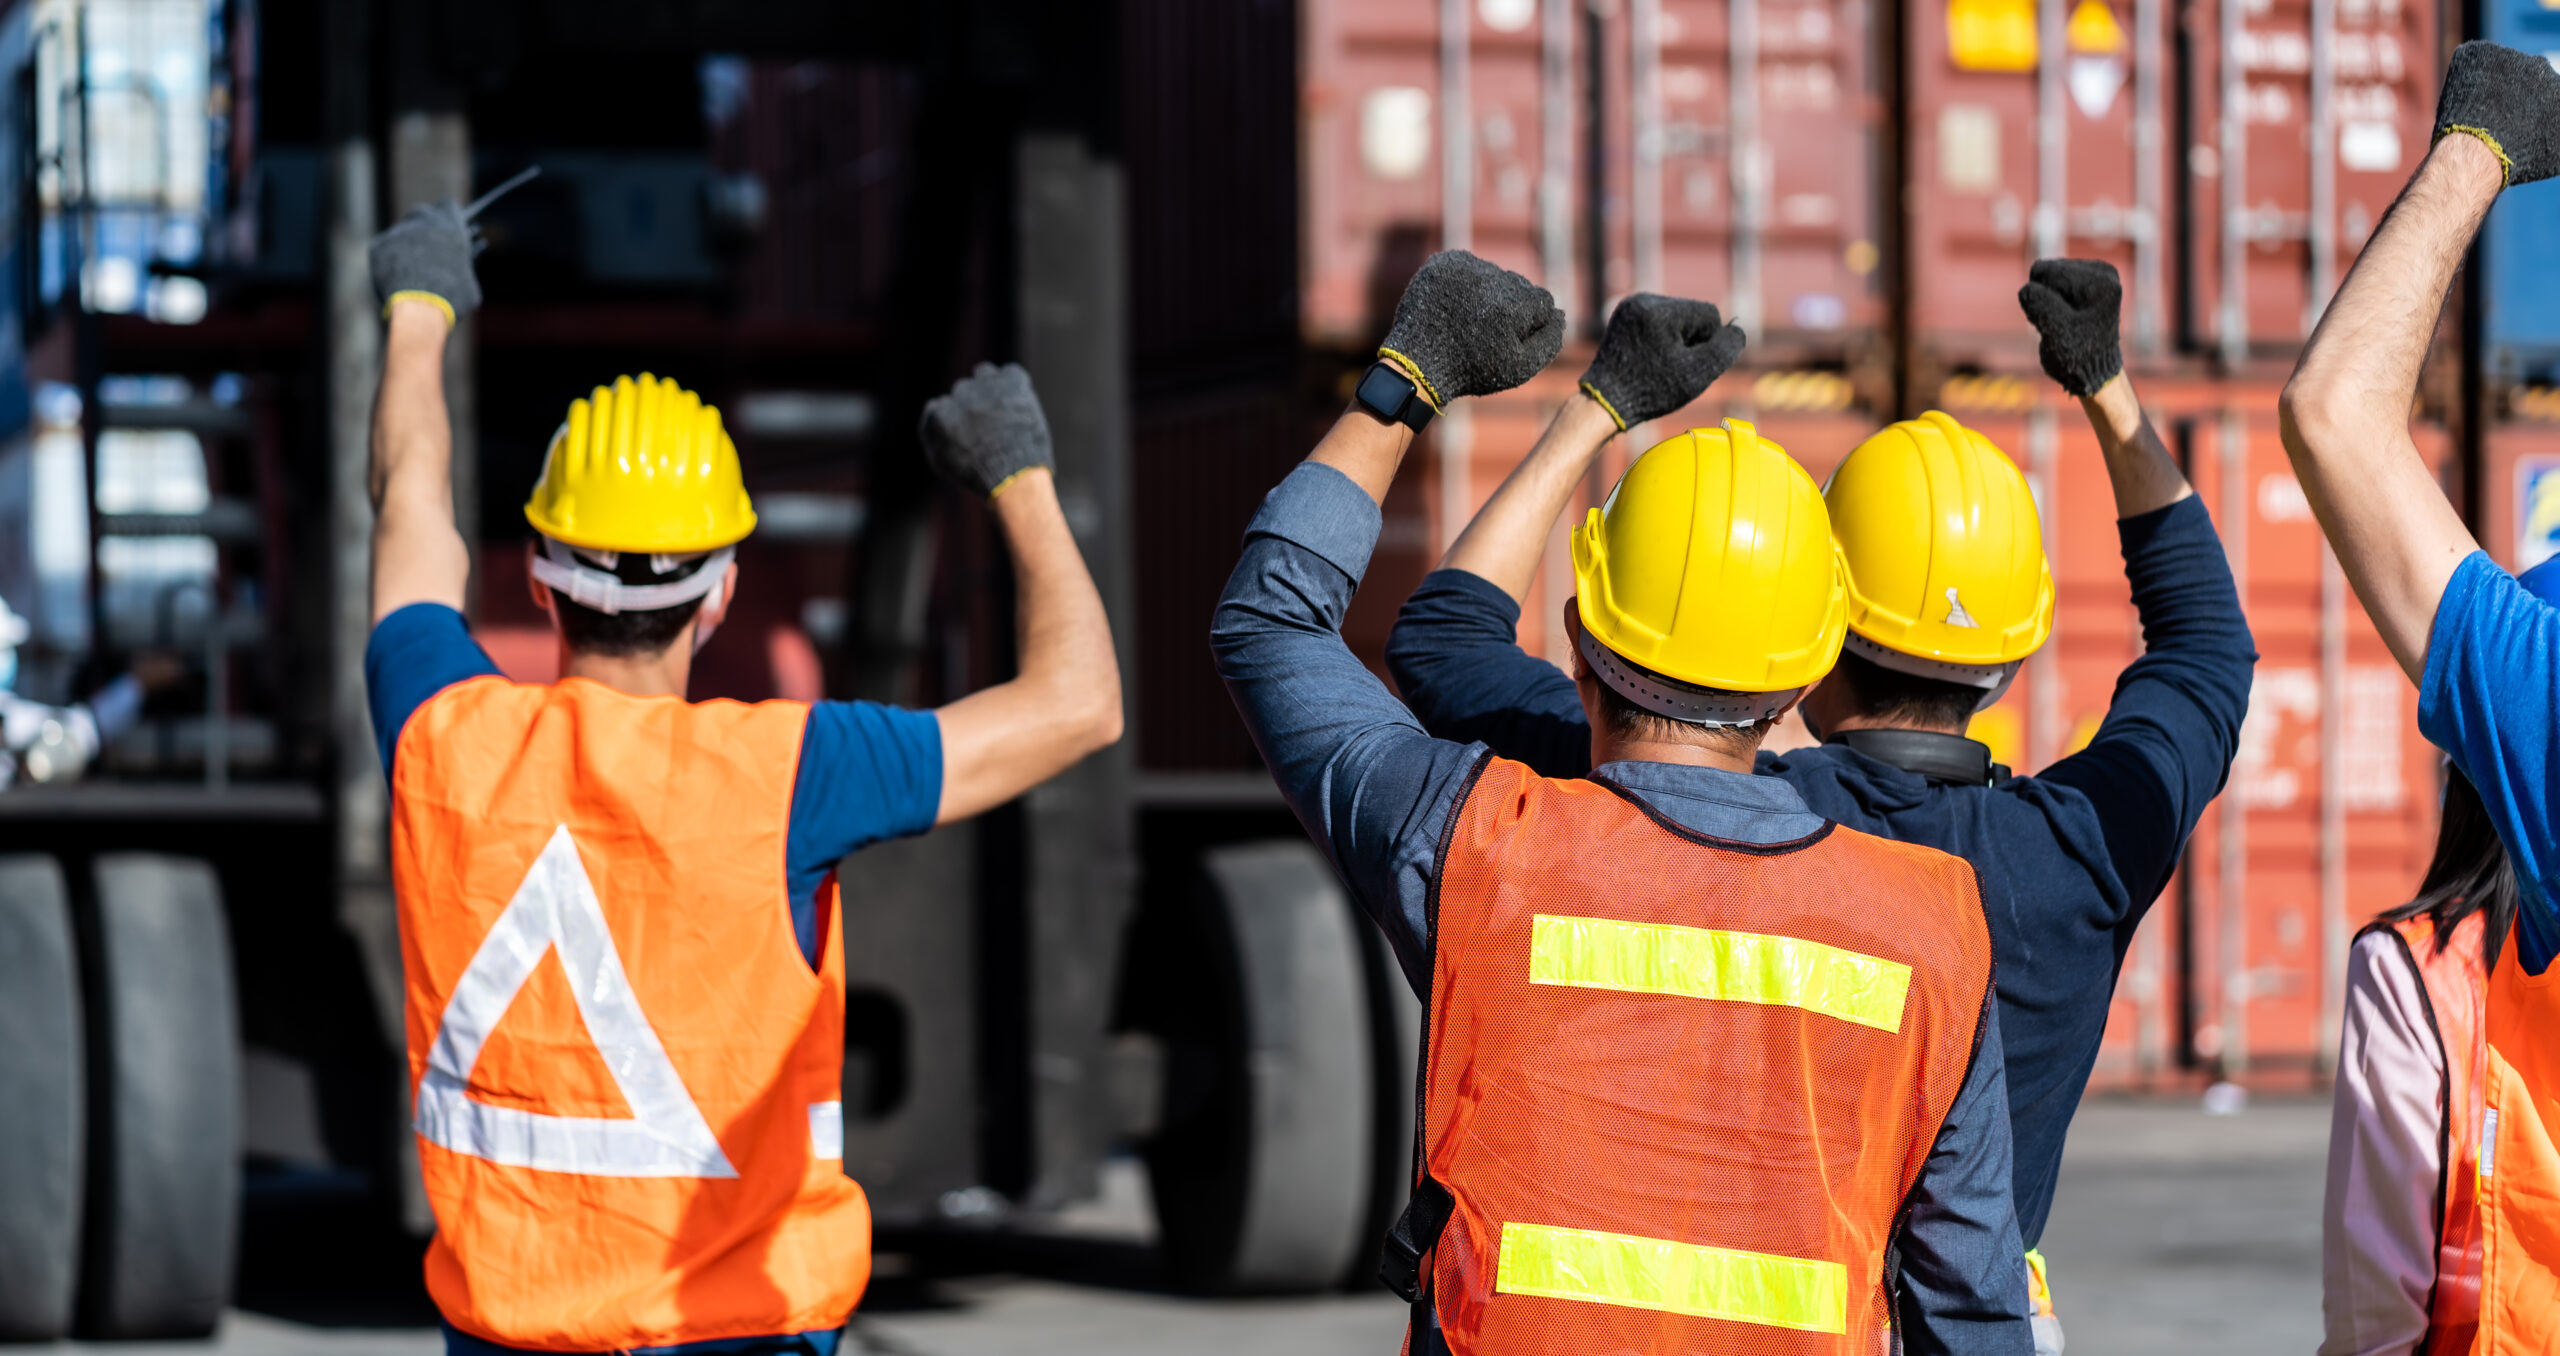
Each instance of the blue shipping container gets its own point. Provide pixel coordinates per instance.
(2523, 246)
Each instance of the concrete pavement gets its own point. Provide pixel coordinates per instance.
(2173, 1231)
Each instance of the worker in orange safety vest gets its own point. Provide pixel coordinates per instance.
(1701, 1070)
(618, 908)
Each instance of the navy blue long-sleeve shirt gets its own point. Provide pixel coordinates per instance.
(1376, 793)
(2070, 859)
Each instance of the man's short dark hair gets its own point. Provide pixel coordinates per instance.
(1880, 693)
(1628, 721)
(626, 635)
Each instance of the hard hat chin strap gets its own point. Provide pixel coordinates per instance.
(1993, 679)
(597, 590)
(1714, 708)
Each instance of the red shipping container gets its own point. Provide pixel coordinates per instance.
(1737, 157)
(2520, 485)
(2036, 130)
(2306, 118)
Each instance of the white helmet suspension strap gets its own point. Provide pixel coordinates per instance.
(588, 587)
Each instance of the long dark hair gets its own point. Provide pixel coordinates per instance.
(2469, 875)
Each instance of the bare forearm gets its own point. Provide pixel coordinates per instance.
(418, 556)
(1504, 541)
(1064, 701)
(2145, 477)
(2346, 410)
(412, 434)
(1366, 449)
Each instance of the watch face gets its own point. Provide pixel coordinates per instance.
(1385, 390)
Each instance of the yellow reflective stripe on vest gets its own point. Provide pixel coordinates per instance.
(1739, 967)
(1679, 1278)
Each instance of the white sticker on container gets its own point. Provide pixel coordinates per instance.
(2371, 147)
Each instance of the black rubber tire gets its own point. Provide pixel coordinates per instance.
(1262, 1174)
(1395, 1042)
(164, 1116)
(41, 1101)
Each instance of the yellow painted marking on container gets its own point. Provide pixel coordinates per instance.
(1672, 1277)
(1737, 967)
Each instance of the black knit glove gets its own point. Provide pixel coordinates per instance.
(987, 431)
(429, 251)
(1466, 327)
(2508, 99)
(2073, 304)
(1658, 354)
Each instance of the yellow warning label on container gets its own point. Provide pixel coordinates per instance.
(1992, 35)
(2094, 29)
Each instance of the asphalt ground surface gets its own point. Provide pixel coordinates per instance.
(2173, 1231)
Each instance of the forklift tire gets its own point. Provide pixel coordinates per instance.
(1265, 1185)
(164, 1115)
(41, 1108)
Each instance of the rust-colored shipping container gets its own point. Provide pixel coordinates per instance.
(2520, 483)
(1715, 148)
(2035, 130)
(2304, 118)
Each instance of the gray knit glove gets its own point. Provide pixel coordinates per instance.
(2073, 304)
(2508, 99)
(1658, 354)
(987, 431)
(429, 251)
(1466, 327)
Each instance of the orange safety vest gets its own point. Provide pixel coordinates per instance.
(625, 1074)
(1677, 1091)
(2498, 1251)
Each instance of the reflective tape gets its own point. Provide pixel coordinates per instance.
(1678, 1278)
(1738, 967)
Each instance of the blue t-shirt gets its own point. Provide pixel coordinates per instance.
(867, 771)
(2491, 700)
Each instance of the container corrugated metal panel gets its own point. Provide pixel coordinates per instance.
(1209, 134)
(824, 142)
(2012, 158)
(1737, 141)
(2305, 119)
(2523, 236)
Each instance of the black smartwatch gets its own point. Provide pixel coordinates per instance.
(1386, 392)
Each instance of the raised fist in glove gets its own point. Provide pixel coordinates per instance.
(428, 253)
(2073, 304)
(1658, 354)
(2508, 99)
(988, 430)
(1467, 328)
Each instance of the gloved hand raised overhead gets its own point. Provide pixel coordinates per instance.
(1659, 354)
(2508, 99)
(1466, 327)
(2073, 304)
(988, 430)
(428, 253)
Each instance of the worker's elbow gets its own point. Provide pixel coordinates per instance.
(2308, 413)
(1094, 714)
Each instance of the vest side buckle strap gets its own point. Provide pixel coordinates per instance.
(1426, 1213)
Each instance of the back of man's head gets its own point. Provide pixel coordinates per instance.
(631, 633)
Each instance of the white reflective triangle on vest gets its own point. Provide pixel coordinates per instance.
(666, 1135)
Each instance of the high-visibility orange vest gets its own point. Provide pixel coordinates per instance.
(2456, 987)
(1680, 1089)
(2497, 1285)
(626, 1075)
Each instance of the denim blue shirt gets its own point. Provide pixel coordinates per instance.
(2070, 860)
(1375, 792)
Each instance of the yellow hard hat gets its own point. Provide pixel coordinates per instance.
(1711, 565)
(642, 465)
(1946, 560)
